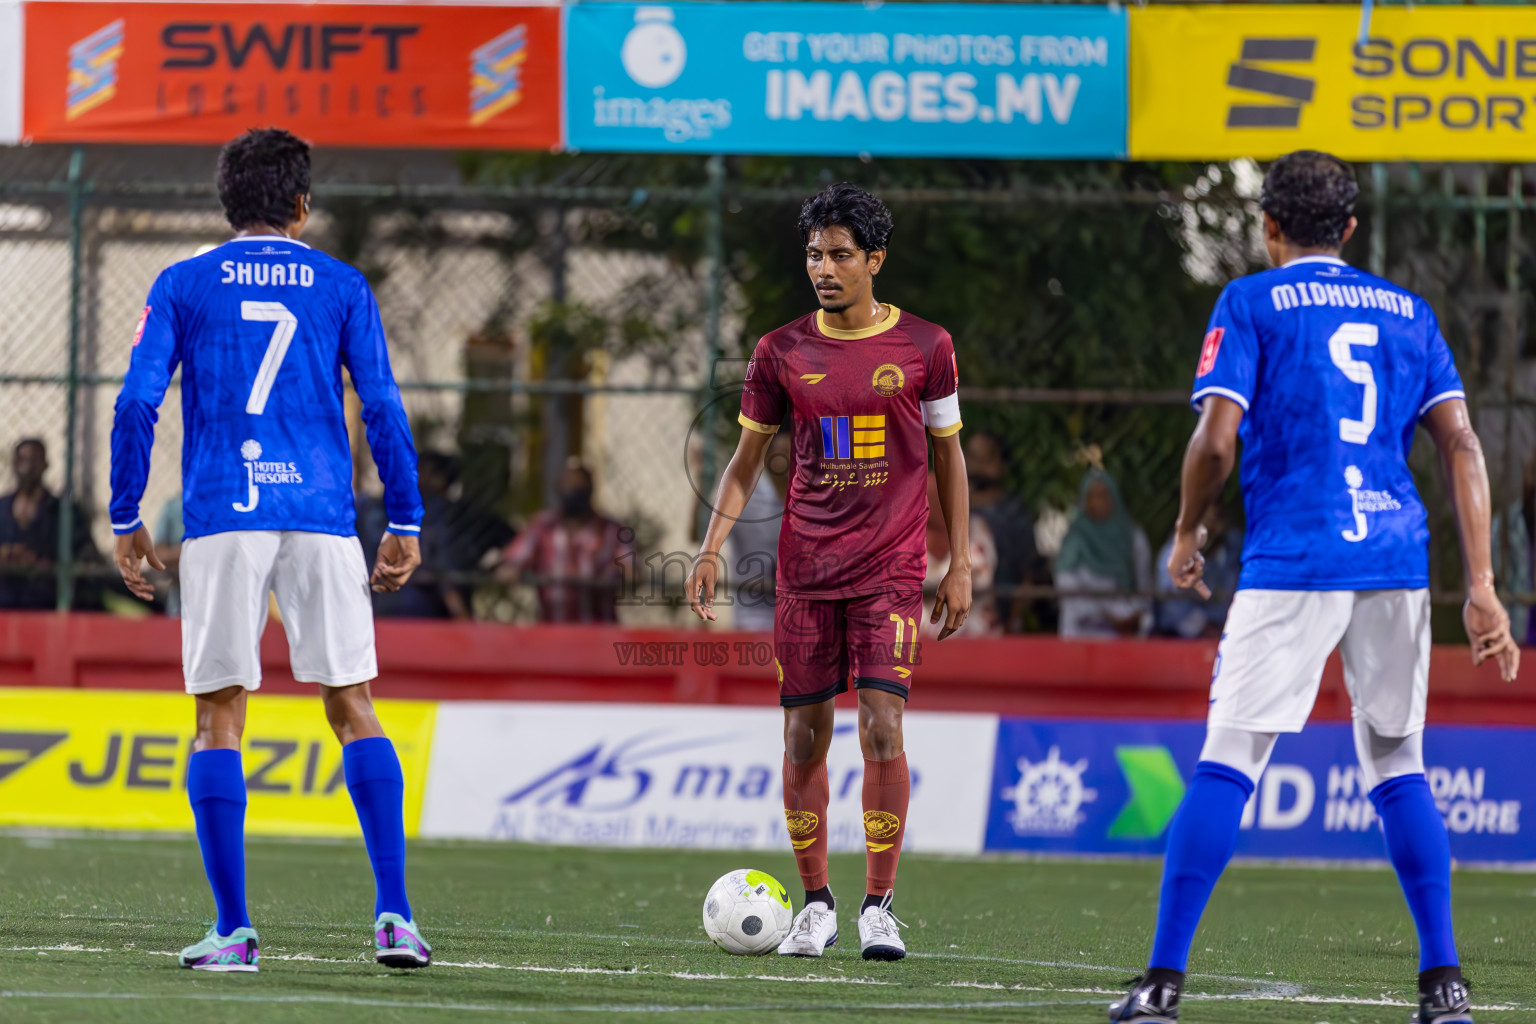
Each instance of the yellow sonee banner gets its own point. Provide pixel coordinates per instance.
(1453, 83)
(118, 759)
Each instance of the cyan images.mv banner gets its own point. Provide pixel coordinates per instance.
(893, 80)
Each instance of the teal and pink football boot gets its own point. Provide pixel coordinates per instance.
(398, 943)
(237, 951)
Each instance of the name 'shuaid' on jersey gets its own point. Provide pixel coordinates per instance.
(1334, 367)
(261, 329)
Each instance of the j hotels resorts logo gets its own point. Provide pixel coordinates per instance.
(1284, 93)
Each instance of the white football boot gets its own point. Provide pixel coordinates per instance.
(878, 935)
(815, 929)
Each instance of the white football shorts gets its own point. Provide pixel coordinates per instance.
(321, 584)
(1270, 661)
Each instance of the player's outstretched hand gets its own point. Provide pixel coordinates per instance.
(1488, 629)
(129, 552)
(1186, 565)
(398, 558)
(700, 585)
(953, 600)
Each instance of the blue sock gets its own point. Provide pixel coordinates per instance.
(216, 789)
(1200, 842)
(378, 793)
(1420, 852)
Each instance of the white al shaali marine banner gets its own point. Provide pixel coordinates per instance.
(683, 776)
(11, 46)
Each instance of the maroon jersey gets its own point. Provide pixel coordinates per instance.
(858, 403)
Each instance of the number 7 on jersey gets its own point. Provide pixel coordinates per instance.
(277, 349)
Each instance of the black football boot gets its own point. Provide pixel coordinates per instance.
(1153, 999)
(1444, 997)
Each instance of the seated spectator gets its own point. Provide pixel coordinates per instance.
(754, 540)
(1513, 532)
(454, 536)
(572, 554)
(982, 621)
(170, 527)
(29, 536)
(1104, 552)
(1012, 526)
(1181, 613)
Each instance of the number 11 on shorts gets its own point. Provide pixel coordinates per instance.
(901, 625)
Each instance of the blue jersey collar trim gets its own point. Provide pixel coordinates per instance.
(274, 238)
(1314, 259)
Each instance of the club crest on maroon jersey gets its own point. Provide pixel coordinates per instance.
(888, 380)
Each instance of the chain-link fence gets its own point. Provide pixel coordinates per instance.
(600, 310)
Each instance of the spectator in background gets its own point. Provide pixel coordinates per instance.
(1010, 522)
(983, 620)
(1181, 614)
(170, 527)
(1511, 533)
(754, 540)
(455, 535)
(1104, 552)
(29, 535)
(572, 554)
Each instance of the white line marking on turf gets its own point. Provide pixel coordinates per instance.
(682, 975)
(486, 965)
(1277, 989)
(1243, 997)
(65, 948)
(541, 1008)
(1206, 997)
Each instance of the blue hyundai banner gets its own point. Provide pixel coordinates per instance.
(1113, 787)
(844, 78)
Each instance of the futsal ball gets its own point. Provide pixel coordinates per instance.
(747, 913)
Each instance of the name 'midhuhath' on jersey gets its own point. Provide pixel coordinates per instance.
(1334, 368)
(858, 403)
(261, 328)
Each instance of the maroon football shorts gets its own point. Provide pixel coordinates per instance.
(819, 644)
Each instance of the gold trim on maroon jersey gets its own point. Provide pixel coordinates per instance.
(891, 317)
(751, 424)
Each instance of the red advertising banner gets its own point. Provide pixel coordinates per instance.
(337, 74)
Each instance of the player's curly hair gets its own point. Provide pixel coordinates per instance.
(1311, 195)
(261, 173)
(846, 205)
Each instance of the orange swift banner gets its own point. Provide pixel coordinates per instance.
(338, 74)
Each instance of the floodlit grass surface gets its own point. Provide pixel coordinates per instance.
(88, 927)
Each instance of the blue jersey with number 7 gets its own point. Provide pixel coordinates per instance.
(261, 328)
(1334, 368)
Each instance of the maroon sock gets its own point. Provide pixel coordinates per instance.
(887, 788)
(806, 793)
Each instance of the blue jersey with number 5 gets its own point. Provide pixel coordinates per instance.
(1334, 367)
(261, 328)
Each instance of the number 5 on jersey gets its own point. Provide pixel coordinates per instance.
(1356, 431)
(286, 324)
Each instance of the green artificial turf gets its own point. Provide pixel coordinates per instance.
(524, 933)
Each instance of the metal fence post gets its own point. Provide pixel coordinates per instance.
(1379, 219)
(66, 556)
(1510, 350)
(714, 257)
